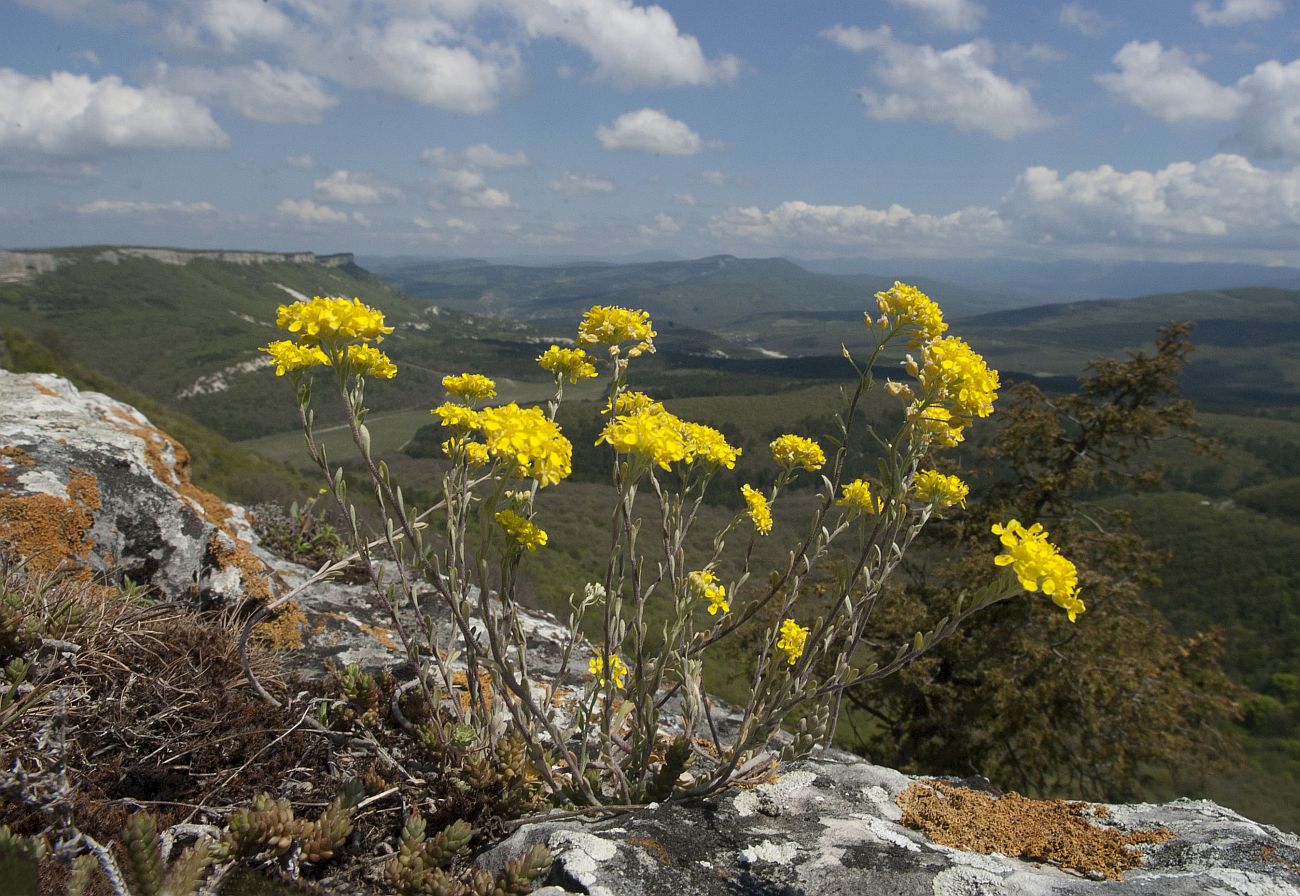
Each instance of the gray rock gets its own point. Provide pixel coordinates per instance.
(89, 482)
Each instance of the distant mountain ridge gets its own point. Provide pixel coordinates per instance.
(23, 264)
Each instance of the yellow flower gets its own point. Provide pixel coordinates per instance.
(910, 308)
(329, 320)
(631, 402)
(475, 453)
(933, 487)
(366, 360)
(617, 669)
(529, 441)
(521, 530)
(652, 434)
(705, 584)
(793, 638)
(456, 416)
(611, 325)
(936, 426)
(707, 444)
(1039, 565)
(792, 451)
(954, 374)
(858, 498)
(289, 357)
(570, 364)
(760, 511)
(470, 386)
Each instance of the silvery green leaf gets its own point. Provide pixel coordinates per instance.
(363, 435)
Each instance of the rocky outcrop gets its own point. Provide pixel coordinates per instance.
(88, 481)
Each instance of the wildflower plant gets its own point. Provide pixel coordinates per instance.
(604, 743)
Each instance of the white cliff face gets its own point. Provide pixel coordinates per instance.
(16, 267)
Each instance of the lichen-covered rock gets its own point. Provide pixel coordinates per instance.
(831, 826)
(88, 483)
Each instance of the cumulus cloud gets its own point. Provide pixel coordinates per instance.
(1265, 105)
(355, 188)
(1221, 207)
(258, 91)
(953, 15)
(1235, 12)
(478, 157)
(1222, 201)
(129, 208)
(573, 184)
(1083, 19)
(663, 225)
(954, 86)
(650, 130)
(470, 189)
(75, 116)
(302, 162)
(1167, 85)
(635, 46)
(305, 211)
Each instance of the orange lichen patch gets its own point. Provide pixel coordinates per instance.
(1053, 831)
(253, 574)
(45, 390)
(12, 456)
(50, 531)
(460, 681)
(652, 846)
(157, 443)
(380, 634)
(284, 631)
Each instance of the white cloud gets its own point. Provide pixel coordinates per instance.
(1083, 19)
(74, 116)
(257, 91)
(1269, 126)
(1224, 201)
(471, 189)
(1264, 104)
(478, 157)
(232, 23)
(955, 86)
(953, 15)
(636, 46)
(304, 211)
(355, 188)
(649, 130)
(129, 208)
(1167, 85)
(582, 183)
(806, 225)
(1236, 12)
(685, 199)
(461, 226)
(303, 162)
(664, 225)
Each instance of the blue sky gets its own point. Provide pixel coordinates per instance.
(1162, 130)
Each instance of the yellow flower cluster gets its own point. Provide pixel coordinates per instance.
(707, 444)
(370, 361)
(570, 364)
(611, 325)
(331, 330)
(906, 306)
(1038, 564)
(705, 584)
(933, 487)
(526, 438)
(645, 428)
(470, 386)
(954, 374)
(858, 498)
(290, 356)
(617, 669)
(936, 426)
(651, 433)
(760, 511)
(456, 416)
(330, 320)
(521, 530)
(475, 453)
(792, 451)
(793, 638)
